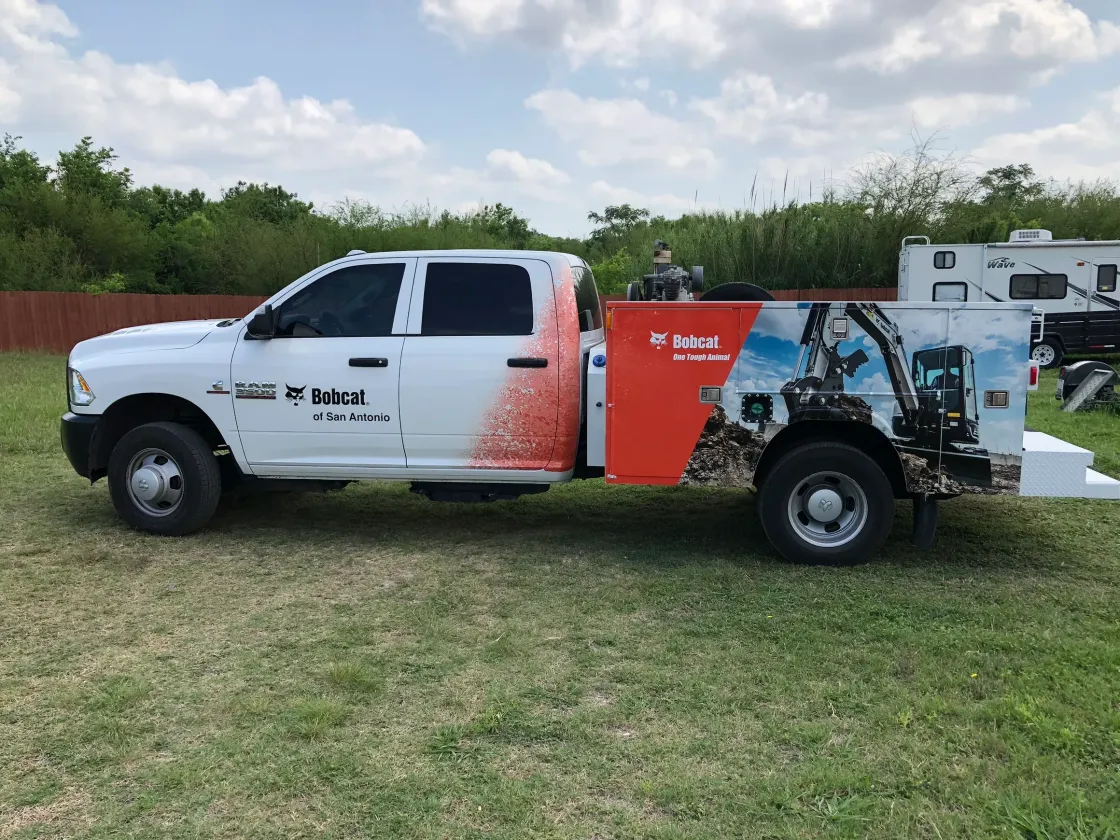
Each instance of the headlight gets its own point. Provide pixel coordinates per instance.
(80, 392)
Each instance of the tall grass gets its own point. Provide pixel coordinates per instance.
(88, 228)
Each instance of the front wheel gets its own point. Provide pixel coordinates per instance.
(826, 503)
(164, 479)
(1048, 353)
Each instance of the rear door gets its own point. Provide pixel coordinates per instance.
(323, 392)
(479, 370)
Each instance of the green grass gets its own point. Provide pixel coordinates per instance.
(593, 662)
(1096, 430)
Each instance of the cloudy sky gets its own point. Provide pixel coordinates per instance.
(560, 106)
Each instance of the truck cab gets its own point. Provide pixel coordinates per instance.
(428, 366)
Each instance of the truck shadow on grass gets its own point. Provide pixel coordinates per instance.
(650, 526)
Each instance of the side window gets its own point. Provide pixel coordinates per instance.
(1106, 278)
(1038, 286)
(950, 291)
(477, 299)
(352, 301)
(587, 298)
(945, 259)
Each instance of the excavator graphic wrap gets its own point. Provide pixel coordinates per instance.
(936, 416)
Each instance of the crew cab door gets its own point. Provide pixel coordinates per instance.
(321, 396)
(479, 371)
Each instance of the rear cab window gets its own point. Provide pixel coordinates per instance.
(472, 298)
(587, 299)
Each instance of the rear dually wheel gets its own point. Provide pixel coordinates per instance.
(826, 503)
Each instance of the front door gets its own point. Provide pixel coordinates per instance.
(479, 379)
(323, 392)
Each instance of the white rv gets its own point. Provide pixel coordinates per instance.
(1073, 281)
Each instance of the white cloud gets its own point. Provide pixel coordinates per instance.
(1085, 149)
(962, 108)
(749, 107)
(662, 203)
(607, 132)
(886, 36)
(507, 165)
(158, 118)
(1055, 31)
(817, 137)
(615, 33)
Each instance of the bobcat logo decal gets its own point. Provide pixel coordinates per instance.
(294, 395)
(657, 339)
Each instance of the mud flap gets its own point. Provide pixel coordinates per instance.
(925, 522)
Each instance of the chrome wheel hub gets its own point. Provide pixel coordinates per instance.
(155, 482)
(828, 509)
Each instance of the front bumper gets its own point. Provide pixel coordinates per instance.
(77, 440)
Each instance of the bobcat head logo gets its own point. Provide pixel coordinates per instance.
(294, 395)
(657, 339)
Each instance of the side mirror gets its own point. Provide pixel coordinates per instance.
(263, 324)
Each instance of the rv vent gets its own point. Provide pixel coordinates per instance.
(1031, 236)
(354, 252)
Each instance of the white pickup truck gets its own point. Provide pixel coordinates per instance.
(487, 375)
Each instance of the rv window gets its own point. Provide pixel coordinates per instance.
(1038, 286)
(1106, 278)
(945, 259)
(950, 291)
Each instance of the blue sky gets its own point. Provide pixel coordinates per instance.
(560, 106)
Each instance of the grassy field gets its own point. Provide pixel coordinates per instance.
(590, 663)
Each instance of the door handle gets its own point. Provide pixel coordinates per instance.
(527, 363)
(375, 362)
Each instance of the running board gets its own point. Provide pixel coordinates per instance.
(1052, 467)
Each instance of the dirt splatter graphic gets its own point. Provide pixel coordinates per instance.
(569, 362)
(855, 407)
(519, 430)
(726, 454)
(922, 478)
(1005, 481)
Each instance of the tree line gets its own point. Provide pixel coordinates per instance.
(82, 224)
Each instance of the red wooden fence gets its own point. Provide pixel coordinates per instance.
(56, 321)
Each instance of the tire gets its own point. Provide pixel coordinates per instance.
(164, 479)
(736, 291)
(832, 474)
(1048, 353)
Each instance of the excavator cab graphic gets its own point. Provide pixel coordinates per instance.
(945, 378)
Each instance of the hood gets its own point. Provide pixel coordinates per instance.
(175, 335)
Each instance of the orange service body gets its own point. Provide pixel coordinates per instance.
(659, 356)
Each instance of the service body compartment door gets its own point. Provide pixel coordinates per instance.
(659, 357)
(323, 393)
(479, 374)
